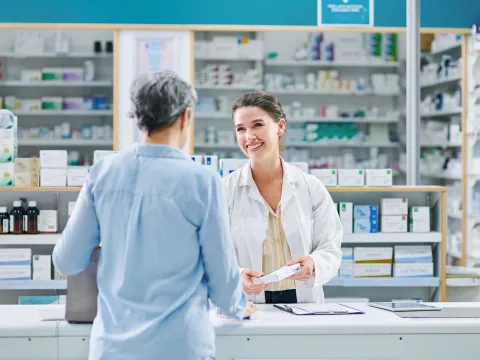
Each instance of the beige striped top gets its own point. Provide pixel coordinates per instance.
(276, 252)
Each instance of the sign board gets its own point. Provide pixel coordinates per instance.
(345, 12)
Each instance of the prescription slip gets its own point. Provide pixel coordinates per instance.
(318, 309)
(278, 275)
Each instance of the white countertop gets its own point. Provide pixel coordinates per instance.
(25, 321)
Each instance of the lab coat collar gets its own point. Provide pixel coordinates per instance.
(159, 151)
(288, 186)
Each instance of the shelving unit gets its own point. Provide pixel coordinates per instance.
(94, 128)
(386, 289)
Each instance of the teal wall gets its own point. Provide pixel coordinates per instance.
(434, 13)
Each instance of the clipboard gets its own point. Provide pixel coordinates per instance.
(318, 309)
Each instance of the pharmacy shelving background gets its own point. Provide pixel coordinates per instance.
(59, 83)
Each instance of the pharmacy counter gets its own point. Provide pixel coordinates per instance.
(271, 334)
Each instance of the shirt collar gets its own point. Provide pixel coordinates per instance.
(159, 151)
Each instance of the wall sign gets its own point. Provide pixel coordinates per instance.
(345, 12)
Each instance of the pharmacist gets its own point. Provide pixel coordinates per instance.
(279, 215)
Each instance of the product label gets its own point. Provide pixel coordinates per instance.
(11, 223)
(5, 226)
(25, 223)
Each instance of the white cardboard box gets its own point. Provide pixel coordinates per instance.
(372, 270)
(42, 267)
(347, 253)
(227, 166)
(419, 219)
(346, 217)
(413, 270)
(394, 206)
(346, 269)
(47, 221)
(100, 154)
(53, 177)
(17, 257)
(211, 161)
(373, 254)
(328, 177)
(15, 272)
(53, 159)
(77, 175)
(413, 254)
(378, 177)
(197, 159)
(351, 177)
(394, 224)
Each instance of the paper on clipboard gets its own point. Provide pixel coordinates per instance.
(278, 275)
(318, 309)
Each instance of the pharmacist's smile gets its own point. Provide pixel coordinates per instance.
(254, 146)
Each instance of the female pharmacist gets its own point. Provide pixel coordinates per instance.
(163, 225)
(279, 215)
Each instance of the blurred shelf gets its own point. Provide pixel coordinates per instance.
(392, 238)
(441, 82)
(463, 282)
(441, 144)
(366, 120)
(80, 55)
(217, 58)
(306, 145)
(327, 93)
(64, 113)
(305, 63)
(392, 189)
(66, 142)
(384, 282)
(441, 176)
(27, 239)
(33, 284)
(455, 46)
(18, 83)
(41, 189)
(442, 113)
(229, 87)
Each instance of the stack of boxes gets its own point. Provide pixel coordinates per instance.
(15, 264)
(354, 177)
(346, 266)
(365, 218)
(346, 217)
(413, 261)
(372, 262)
(27, 172)
(53, 168)
(8, 147)
(394, 213)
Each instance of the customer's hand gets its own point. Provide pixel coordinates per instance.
(307, 267)
(251, 309)
(248, 286)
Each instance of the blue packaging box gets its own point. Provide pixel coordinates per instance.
(365, 212)
(365, 226)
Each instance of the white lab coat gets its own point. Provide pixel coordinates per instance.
(310, 222)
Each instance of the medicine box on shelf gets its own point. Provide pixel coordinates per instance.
(373, 254)
(413, 254)
(413, 270)
(378, 177)
(327, 176)
(346, 217)
(372, 270)
(419, 219)
(351, 177)
(394, 206)
(394, 224)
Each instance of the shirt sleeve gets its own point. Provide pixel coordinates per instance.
(81, 236)
(219, 258)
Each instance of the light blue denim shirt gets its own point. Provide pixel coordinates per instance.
(163, 224)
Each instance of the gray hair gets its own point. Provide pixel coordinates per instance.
(158, 99)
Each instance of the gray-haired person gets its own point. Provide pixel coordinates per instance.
(163, 224)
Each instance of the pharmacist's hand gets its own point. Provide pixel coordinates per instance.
(251, 309)
(248, 286)
(307, 267)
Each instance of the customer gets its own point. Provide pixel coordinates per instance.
(279, 214)
(162, 223)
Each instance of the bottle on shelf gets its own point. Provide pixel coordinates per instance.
(30, 219)
(16, 218)
(4, 221)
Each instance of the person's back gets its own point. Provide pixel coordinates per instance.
(162, 223)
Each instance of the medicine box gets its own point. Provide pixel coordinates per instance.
(419, 219)
(365, 212)
(301, 165)
(42, 267)
(378, 177)
(394, 224)
(38, 300)
(15, 272)
(347, 253)
(100, 154)
(413, 254)
(227, 166)
(394, 206)
(413, 270)
(197, 159)
(53, 159)
(15, 257)
(373, 255)
(372, 270)
(77, 175)
(351, 177)
(26, 180)
(7, 147)
(328, 177)
(346, 269)
(7, 175)
(365, 226)
(27, 165)
(346, 217)
(211, 161)
(47, 221)
(53, 177)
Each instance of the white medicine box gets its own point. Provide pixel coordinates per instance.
(413, 254)
(53, 177)
(77, 175)
(394, 206)
(394, 224)
(346, 217)
(351, 177)
(100, 154)
(47, 221)
(53, 159)
(42, 267)
(328, 177)
(419, 219)
(413, 270)
(378, 177)
(373, 254)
